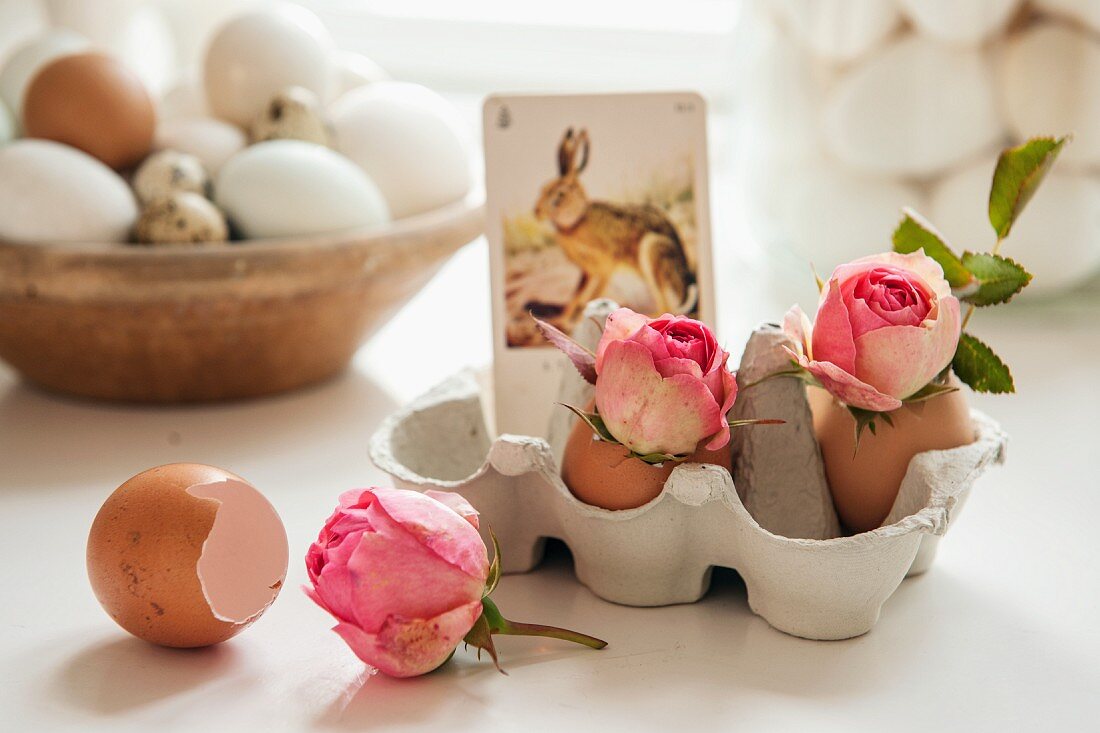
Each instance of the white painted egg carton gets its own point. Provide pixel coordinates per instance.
(777, 528)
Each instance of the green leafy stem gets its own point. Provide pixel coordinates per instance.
(983, 279)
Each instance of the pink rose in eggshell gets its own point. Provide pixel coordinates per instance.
(662, 384)
(886, 325)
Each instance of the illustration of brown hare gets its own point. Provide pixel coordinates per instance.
(600, 237)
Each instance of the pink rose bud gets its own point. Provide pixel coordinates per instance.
(662, 385)
(403, 574)
(886, 326)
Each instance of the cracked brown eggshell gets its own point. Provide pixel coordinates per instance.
(186, 555)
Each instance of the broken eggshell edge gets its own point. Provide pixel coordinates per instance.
(246, 546)
(816, 585)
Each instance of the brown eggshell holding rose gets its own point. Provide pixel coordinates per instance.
(154, 535)
(865, 482)
(600, 473)
(92, 102)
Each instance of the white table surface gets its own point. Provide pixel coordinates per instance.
(1002, 634)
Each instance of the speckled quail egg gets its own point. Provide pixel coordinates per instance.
(293, 114)
(168, 171)
(182, 217)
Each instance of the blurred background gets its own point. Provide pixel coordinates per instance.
(826, 117)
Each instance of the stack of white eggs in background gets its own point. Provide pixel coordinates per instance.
(284, 135)
(856, 108)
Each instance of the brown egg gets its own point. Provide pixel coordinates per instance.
(186, 555)
(865, 482)
(599, 473)
(92, 102)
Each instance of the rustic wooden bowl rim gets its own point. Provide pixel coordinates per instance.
(428, 221)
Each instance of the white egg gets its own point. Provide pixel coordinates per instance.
(211, 141)
(7, 124)
(53, 193)
(832, 216)
(967, 22)
(355, 70)
(1084, 11)
(283, 188)
(32, 56)
(839, 29)
(132, 31)
(1049, 77)
(184, 99)
(914, 109)
(1055, 238)
(409, 140)
(194, 22)
(256, 55)
(20, 21)
(783, 120)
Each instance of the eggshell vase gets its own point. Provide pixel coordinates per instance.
(864, 479)
(772, 521)
(604, 474)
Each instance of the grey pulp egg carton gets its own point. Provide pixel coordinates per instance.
(773, 521)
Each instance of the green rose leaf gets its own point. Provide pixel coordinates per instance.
(977, 365)
(999, 278)
(1019, 172)
(914, 233)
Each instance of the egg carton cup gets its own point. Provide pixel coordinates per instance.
(773, 521)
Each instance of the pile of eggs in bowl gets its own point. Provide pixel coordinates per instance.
(285, 136)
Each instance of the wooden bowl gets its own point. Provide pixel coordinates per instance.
(214, 322)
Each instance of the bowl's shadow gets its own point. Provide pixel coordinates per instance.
(98, 444)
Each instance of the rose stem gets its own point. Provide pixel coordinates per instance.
(500, 625)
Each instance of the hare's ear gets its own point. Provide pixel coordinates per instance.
(582, 145)
(566, 151)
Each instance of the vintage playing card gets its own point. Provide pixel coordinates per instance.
(591, 196)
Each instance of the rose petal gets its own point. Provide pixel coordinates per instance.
(917, 262)
(672, 366)
(446, 533)
(848, 389)
(334, 582)
(832, 334)
(649, 413)
(797, 327)
(862, 318)
(355, 497)
(392, 572)
(900, 360)
(654, 341)
(405, 647)
(729, 383)
(458, 503)
(620, 324)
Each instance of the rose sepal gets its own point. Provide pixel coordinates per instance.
(599, 429)
(583, 360)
